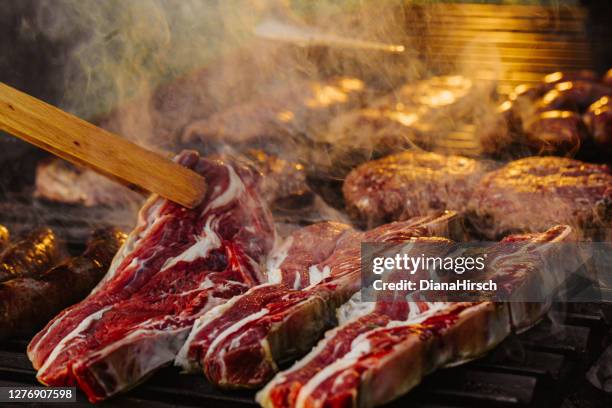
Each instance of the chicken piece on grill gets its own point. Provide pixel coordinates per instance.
(408, 184)
(535, 193)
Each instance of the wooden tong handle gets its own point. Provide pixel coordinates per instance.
(82, 143)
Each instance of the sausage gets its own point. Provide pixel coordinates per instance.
(32, 255)
(496, 131)
(607, 78)
(4, 237)
(555, 132)
(573, 96)
(560, 76)
(522, 103)
(28, 303)
(598, 120)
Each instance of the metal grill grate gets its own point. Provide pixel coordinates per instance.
(512, 44)
(509, 45)
(541, 368)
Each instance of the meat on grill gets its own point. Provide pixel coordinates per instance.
(598, 119)
(28, 303)
(378, 354)
(545, 118)
(413, 114)
(270, 120)
(283, 185)
(607, 78)
(32, 255)
(554, 78)
(176, 264)
(4, 237)
(535, 193)
(289, 263)
(573, 96)
(242, 343)
(59, 181)
(555, 132)
(408, 184)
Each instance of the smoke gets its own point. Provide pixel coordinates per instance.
(149, 70)
(121, 49)
(137, 65)
(156, 70)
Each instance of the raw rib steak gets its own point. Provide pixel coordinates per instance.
(241, 343)
(408, 184)
(378, 354)
(176, 265)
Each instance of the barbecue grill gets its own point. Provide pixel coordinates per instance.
(542, 367)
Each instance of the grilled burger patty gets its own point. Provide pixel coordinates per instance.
(536, 192)
(409, 184)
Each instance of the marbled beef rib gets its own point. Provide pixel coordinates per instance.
(378, 353)
(241, 344)
(176, 265)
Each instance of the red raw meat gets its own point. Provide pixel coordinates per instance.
(375, 356)
(176, 265)
(241, 343)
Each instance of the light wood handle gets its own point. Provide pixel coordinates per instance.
(82, 143)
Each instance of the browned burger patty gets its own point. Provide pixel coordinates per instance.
(534, 193)
(408, 184)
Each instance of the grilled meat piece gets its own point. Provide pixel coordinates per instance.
(27, 303)
(277, 116)
(536, 119)
(32, 255)
(59, 181)
(535, 193)
(415, 114)
(408, 184)
(560, 133)
(283, 185)
(607, 78)
(5, 237)
(598, 119)
(573, 95)
(564, 76)
(288, 263)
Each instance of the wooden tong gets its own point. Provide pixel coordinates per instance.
(82, 143)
